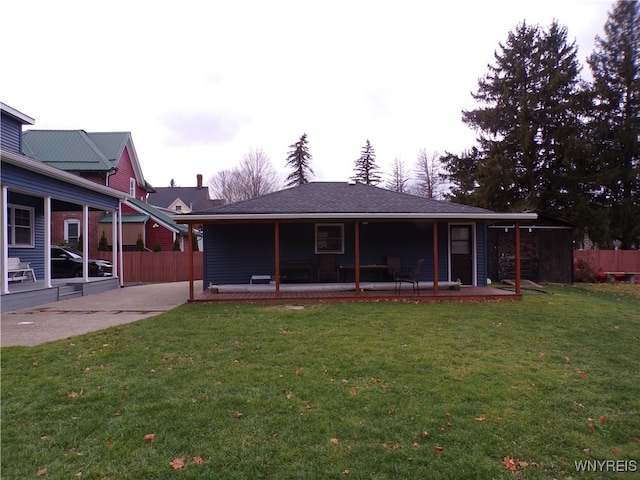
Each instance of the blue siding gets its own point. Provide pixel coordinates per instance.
(20, 178)
(10, 133)
(232, 253)
(33, 255)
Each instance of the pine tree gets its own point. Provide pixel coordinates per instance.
(615, 68)
(529, 120)
(367, 171)
(299, 160)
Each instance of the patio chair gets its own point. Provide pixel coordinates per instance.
(327, 268)
(393, 267)
(412, 277)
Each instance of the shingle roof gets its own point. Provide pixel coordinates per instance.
(196, 198)
(341, 197)
(75, 150)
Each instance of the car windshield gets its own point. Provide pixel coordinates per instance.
(73, 252)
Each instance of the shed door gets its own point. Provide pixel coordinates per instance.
(461, 253)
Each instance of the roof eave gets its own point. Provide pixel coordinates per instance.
(489, 216)
(53, 172)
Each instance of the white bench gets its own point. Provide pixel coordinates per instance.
(19, 271)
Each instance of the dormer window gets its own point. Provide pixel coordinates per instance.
(178, 208)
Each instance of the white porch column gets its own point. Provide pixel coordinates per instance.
(47, 242)
(85, 243)
(114, 242)
(121, 273)
(4, 240)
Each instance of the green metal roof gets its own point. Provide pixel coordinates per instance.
(75, 150)
(157, 215)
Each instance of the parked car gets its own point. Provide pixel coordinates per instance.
(67, 262)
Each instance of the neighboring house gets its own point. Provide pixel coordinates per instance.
(547, 250)
(354, 224)
(183, 199)
(32, 194)
(148, 222)
(106, 158)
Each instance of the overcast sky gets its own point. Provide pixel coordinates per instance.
(200, 83)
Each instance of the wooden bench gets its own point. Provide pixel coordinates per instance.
(19, 271)
(611, 277)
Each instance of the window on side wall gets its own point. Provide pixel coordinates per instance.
(72, 232)
(329, 238)
(21, 226)
(132, 187)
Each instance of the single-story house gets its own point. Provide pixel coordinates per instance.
(31, 192)
(357, 229)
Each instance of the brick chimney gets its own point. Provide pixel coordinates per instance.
(199, 184)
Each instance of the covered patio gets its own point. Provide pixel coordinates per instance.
(284, 238)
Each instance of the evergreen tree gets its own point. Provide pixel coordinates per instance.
(176, 245)
(615, 68)
(298, 160)
(528, 122)
(367, 171)
(103, 244)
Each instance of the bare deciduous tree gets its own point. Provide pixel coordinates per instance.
(399, 181)
(429, 181)
(254, 176)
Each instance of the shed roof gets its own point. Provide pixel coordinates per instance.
(316, 200)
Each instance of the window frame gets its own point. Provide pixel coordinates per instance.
(132, 187)
(11, 226)
(320, 238)
(72, 221)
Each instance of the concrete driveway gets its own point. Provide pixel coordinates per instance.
(76, 316)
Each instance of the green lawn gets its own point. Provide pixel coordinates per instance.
(357, 390)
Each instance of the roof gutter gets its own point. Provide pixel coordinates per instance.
(489, 216)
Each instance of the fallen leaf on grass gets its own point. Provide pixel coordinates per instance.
(75, 394)
(481, 418)
(395, 446)
(635, 439)
(345, 472)
(239, 415)
(425, 434)
(41, 472)
(602, 419)
(438, 448)
(177, 464)
(510, 464)
(150, 437)
(335, 441)
(198, 459)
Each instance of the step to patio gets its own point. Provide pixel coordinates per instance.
(70, 291)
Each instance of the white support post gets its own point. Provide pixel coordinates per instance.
(114, 242)
(4, 240)
(120, 244)
(47, 242)
(85, 243)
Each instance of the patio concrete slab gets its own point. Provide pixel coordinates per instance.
(68, 318)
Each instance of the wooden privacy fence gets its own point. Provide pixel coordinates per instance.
(600, 261)
(157, 267)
